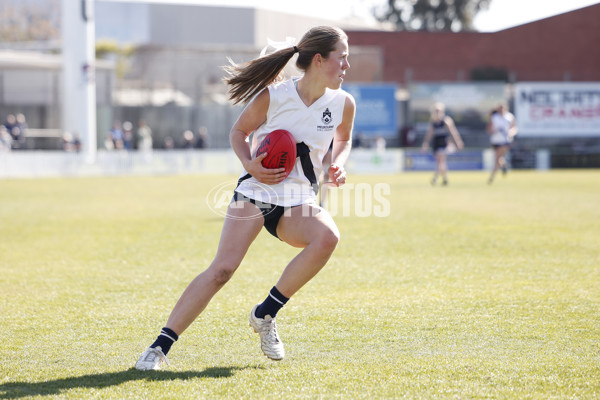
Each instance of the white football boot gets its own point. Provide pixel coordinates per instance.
(270, 343)
(151, 359)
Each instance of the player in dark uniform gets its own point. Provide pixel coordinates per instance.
(440, 127)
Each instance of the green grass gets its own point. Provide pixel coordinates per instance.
(467, 291)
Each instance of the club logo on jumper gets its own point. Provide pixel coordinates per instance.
(326, 119)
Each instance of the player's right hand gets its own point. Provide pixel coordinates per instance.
(264, 175)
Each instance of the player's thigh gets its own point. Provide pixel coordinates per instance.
(301, 225)
(440, 156)
(242, 224)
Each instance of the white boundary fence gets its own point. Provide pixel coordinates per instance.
(41, 164)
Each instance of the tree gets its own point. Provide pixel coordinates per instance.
(432, 15)
(29, 21)
(109, 49)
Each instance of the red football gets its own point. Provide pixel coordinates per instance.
(280, 147)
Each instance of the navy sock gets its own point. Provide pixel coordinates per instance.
(165, 340)
(272, 304)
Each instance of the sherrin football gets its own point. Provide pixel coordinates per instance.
(280, 147)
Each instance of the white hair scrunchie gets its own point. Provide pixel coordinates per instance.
(289, 42)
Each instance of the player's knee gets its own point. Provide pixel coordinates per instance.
(329, 239)
(222, 273)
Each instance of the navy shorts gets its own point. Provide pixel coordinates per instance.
(437, 149)
(271, 213)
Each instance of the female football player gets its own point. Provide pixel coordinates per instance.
(502, 129)
(439, 126)
(315, 109)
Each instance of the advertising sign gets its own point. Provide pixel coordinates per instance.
(558, 109)
(376, 111)
(415, 160)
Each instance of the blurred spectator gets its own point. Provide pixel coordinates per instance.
(77, 142)
(116, 135)
(169, 143)
(5, 140)
(128, 135)
(202, 142)
(12, 126)
(188, 144)
(188, 140)
(379, 144)
(108, 142)
(71, 142)
(67, 138)
(10, 123)
(22, 124)
(144, 137)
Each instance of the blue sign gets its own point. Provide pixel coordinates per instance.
(376, 110)
(415, 160)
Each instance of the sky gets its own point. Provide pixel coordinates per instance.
(502, 14)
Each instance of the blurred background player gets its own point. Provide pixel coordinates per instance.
(502, 129)
(439, 127)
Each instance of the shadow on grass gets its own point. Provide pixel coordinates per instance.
(14, 390)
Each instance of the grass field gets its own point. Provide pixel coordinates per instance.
(467, 291)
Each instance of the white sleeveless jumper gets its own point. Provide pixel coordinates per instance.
(314, 125)
(501, 124)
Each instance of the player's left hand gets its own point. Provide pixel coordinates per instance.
(337, 175)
